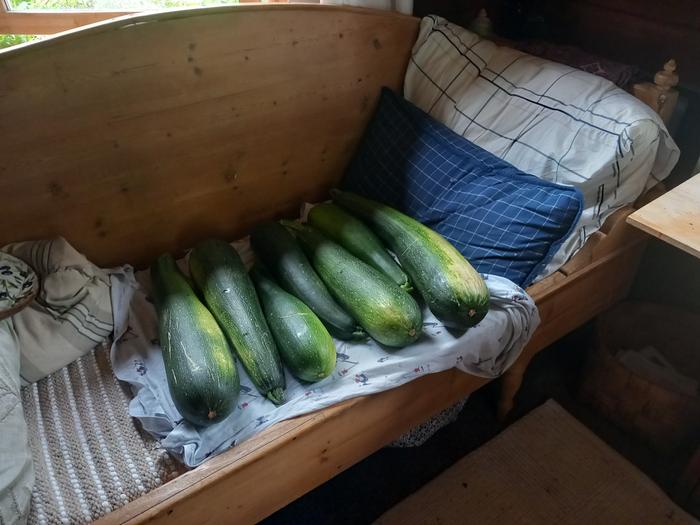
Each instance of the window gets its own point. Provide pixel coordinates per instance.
(13, 40)
(107, 5)
(20, 18)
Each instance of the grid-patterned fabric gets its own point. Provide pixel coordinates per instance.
(547, 119)
(505, 222)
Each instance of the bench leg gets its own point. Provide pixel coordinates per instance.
(510, 384)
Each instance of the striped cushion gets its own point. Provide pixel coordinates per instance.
(88, 455)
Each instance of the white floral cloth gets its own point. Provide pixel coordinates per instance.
(362, 368)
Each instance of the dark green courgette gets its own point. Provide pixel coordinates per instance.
(304, 343)
(386, 312)
(199, 366)
(352, 234)
(282, 255)
(220, 275)
(454, 291)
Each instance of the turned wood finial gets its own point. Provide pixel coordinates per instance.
(660, 94)
(481, 25)
(667, 77)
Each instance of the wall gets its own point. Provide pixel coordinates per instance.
(643, 32)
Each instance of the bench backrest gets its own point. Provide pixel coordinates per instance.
(148, 133)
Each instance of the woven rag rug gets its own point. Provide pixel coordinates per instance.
(89, 456)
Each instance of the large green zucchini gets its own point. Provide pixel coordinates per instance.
(386, 312)
(220, 275)
(352, 234)
(199, 366)
(306, 347)
(452, 288)
(281, 254)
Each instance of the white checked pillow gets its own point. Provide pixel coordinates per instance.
(547, 119)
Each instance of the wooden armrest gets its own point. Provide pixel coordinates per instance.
(660, 95)
(597, 277)
(651, 194)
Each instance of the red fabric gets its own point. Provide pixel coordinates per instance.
(619, 74)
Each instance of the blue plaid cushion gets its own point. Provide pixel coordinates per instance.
(504, 221)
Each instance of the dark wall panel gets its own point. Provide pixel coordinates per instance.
(641, 32)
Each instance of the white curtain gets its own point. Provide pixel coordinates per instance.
(402, 6)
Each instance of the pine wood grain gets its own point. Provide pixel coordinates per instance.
(674, 217)
(595, 279)
(149, 133)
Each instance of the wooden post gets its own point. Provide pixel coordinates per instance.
(660, 95)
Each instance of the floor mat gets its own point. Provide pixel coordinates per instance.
(545, 468)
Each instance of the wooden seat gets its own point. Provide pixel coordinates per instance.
(545, 468)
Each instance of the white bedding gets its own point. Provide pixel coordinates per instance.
(548, 119)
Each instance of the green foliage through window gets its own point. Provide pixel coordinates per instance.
(13, 40)
(110, 5)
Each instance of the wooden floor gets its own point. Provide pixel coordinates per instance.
(545, 468)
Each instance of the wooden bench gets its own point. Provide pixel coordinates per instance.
(145, 134)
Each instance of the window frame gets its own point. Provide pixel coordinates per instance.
(50, 21)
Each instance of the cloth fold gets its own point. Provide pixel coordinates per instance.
(72, 313)
(67, 439)
(486, 350)
(16, 469)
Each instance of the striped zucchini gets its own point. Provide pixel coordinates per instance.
(199, 366)
(220, 275)
(352, 234)
(452, 288)
(386, 312)
(282, 255)
(305, 345)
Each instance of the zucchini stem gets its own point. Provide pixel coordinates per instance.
(291, 225)
(276, 395)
